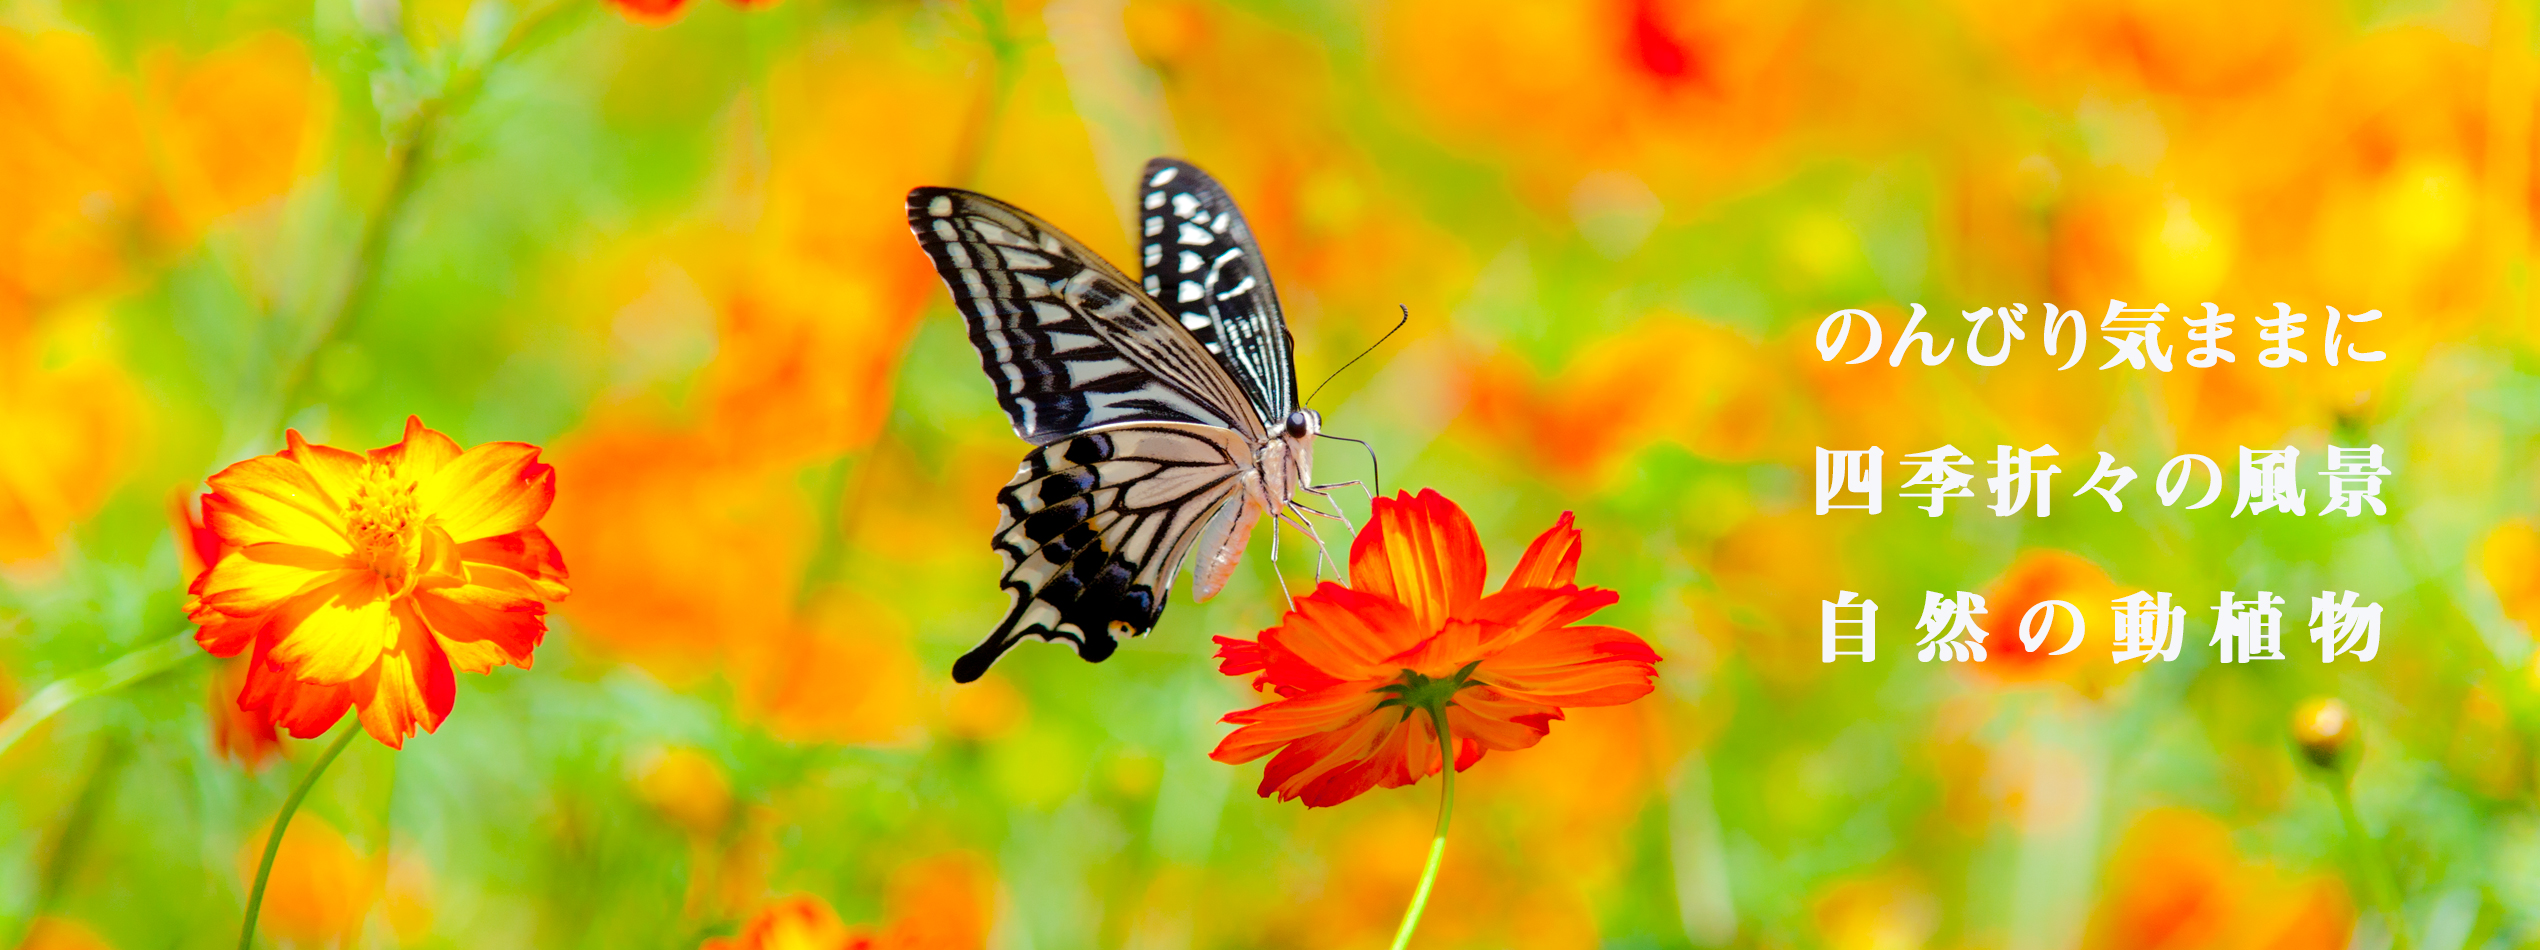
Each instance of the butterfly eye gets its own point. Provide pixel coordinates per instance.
(1298, 422)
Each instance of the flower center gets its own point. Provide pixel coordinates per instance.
(1418, 693)
(382, 522)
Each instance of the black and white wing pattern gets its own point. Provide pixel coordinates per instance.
(1069, 341)
(1144, 439)
(1201, 263)
(1093, 529)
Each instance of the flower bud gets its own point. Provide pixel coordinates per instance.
(2326, 732)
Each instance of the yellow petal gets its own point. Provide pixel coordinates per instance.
(421, 453)
(260, 577)
(341, 638)
(339, 472)
(271, 498)
(495, 488)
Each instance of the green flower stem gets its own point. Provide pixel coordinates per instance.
(408, 148)
(2371, 864)
(273, 842)
(131, 667)
(1437, 846)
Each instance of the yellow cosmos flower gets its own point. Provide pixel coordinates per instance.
(360, 581)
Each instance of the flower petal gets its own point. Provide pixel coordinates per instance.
(1306, 763)
(1574, 666)
(1498, 721)
(1336, 634)
(1525, 611)
(339, 473)
(1326, 778)
(1238, 657)
(495, 488)
(483, 627)
(1272, 725)
(1423, 553)
(526, 552)
(273, 498)
(260, 577)
(305, 709)
(244, 736)
(198, 547)
(1552, 561)
(418, 455)
(1441, 656)
(410, 688)
(347, 626)
(223, 635)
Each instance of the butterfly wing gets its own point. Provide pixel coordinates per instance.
(1093, 528)
(1201, 263)
(1071, 344)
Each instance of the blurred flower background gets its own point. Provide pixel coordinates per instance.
(665, 242)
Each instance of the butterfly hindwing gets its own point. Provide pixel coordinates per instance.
(1069, 342)
(1093, 528)
(1201, 263)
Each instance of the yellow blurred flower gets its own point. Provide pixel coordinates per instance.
(74, 422)
(2509, 557)
(320, 888)
(62, 933)
(687, 787)
(1888, 910)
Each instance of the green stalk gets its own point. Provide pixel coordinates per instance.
(137, 665)
(1437, 846)
(2372, 864)
(407, 152)
(273, 842)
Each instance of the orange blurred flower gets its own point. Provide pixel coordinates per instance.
(1354, 664)
(2177, 883)
(936, 904)
(2040, 576)
(361, 581)
(792, 922)
(245, 736)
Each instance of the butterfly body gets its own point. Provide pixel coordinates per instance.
(1159, 427)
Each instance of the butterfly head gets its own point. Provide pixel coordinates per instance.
(1302, 424)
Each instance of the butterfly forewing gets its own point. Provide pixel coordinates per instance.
(1069, 342)
(1093, 528)
(1200, 263)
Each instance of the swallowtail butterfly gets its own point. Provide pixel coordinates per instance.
(1163, 412)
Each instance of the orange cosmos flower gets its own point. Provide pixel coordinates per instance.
(361, 581)
(1356, 666)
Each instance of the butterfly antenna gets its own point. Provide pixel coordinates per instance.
(1362, 354)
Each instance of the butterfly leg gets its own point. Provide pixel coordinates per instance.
(1280, 575)
(1337, 513)
(1324, 490)
(1322, 551)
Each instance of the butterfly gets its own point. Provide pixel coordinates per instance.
(1163, 412)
